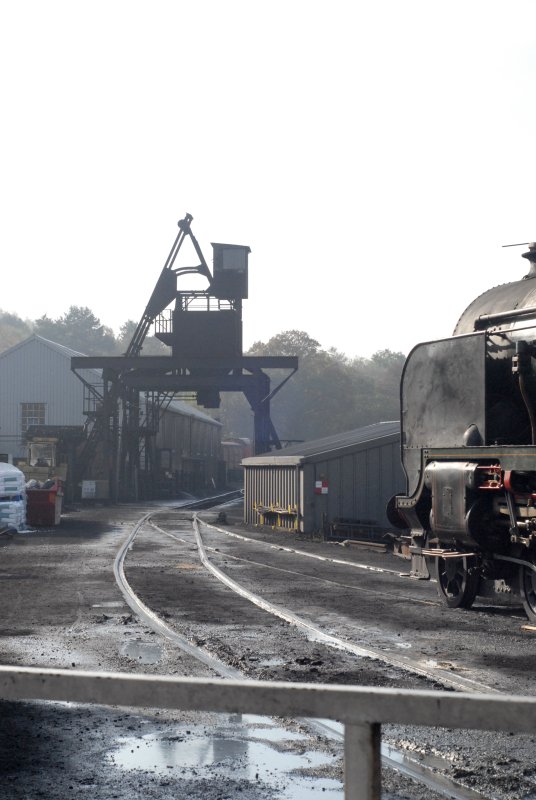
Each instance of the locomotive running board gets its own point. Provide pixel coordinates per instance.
(437, 552)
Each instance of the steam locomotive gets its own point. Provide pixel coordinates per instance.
(468, 422)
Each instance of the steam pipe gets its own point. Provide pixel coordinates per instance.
(502, 316)
(528, 406)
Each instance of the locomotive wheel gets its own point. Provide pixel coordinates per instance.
(457, 581)
(527, 590)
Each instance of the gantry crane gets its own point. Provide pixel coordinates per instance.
(204, 332)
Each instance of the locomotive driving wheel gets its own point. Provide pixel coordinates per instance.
(457, 581)
(527, 587)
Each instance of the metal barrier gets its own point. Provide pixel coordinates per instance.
(361, 710)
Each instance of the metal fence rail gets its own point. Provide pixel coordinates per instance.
(362, 710)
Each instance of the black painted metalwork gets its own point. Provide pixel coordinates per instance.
(468, 419)
(204, 332)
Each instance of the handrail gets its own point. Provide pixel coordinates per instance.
(362, 710)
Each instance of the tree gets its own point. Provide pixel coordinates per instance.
(151, 345)
(78, 329)
(12, 330)
(377, 386)
(126, 332)
(48, 329)
(287, 343)
(329, 394)
(387, 359)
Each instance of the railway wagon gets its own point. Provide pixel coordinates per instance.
(468, 423)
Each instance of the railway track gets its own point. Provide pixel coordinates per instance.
(309, 628)
(396, 758)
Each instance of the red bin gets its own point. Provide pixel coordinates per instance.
(43, 506)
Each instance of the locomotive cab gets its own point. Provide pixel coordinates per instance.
(468, 422)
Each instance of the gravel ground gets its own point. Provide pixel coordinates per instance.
(62, 608)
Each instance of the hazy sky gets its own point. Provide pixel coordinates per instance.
(374, 156)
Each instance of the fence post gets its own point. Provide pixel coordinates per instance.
(362, 761)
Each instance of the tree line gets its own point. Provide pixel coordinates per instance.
(330, 393)
(78, 329)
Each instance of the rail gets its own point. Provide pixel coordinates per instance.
(361, 710)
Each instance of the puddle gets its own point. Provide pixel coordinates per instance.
(273, 734)
(429, 777)
(259, 727)
(250, 719)
(111, 604)
(233, 750)
(142, 652)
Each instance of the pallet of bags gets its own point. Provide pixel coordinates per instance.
(12, 497)
(12, 481)
(12, 513)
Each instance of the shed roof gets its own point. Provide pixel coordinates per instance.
(60, 348)
(63, 350)
(329, 446)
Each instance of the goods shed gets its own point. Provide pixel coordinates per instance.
(188, 446)
(340, 484)
(37, 387)
(39, 391)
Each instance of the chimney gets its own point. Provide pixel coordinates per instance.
(531, 255)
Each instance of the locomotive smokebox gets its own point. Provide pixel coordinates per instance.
(504, 307)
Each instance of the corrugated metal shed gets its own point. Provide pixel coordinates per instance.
(37, 372)
(310, 486)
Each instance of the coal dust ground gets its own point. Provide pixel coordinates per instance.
(61, 608)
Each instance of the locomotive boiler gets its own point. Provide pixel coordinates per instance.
(468, 423)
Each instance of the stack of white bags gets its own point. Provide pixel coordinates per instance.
(12, 497)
